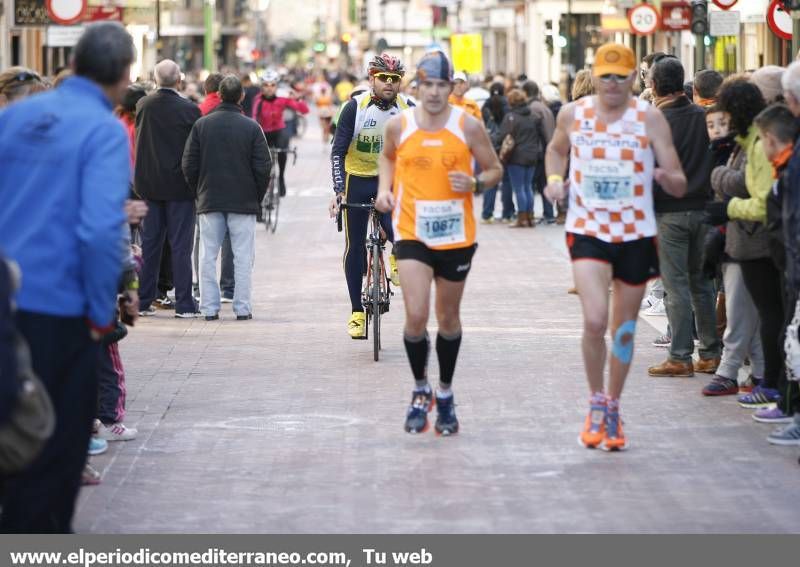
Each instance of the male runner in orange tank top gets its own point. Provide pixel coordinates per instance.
(426, 180)
(614, 141)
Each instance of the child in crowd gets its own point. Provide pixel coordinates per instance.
(741, 340)
(779, 131)
(722, 139)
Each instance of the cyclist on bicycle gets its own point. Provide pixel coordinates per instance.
(268, 112)
(354, 160)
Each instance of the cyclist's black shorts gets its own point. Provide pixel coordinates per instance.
(452, 265)
(633, 263)
(278, 138)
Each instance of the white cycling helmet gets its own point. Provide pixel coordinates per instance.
(270, 77)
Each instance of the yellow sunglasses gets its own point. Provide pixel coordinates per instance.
(388, 77)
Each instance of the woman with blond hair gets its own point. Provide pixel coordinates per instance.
(19, 82)
(582, 86)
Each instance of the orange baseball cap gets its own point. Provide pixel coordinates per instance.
(614, 58)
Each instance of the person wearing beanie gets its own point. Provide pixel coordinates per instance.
(768, 81)
(427, 182)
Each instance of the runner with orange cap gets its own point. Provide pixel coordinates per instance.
(613, 141)
(427, 181)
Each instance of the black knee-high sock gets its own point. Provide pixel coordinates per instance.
(281, 164)
(417, 350)
(447, 351)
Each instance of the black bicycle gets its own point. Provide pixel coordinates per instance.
(377, 292)
(271, 203)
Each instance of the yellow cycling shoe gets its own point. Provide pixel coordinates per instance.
(357, 325)
(394, 274)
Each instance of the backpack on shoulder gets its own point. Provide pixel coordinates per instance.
(32, 419)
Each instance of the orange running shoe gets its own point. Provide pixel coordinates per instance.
(595, 426)
(614, 439)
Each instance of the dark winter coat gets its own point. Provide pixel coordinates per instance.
(163, 122)
(226, 162)
(528, 134)
(690, 136)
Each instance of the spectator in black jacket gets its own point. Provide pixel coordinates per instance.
(682, 232)
(226, 164)
(493, 111)
(163, 122)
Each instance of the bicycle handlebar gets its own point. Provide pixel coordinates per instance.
(368, 206)
(292, 151)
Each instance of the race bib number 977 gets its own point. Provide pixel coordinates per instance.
(608, 184)
(440, 222)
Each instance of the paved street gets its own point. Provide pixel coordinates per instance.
(284, 424)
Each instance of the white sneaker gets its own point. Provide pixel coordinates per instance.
(648, 301)
(658, 308)
(187, 315)
(226, 300)
(116, 432)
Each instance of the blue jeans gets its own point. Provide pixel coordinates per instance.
(680, 252)
(242, 230)
(490, 195)
(521, 177)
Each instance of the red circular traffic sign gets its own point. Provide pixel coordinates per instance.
(779, 21)
(725, 4)
(644, 19)
(65, 12)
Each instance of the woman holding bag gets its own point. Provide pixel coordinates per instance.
(522, 147)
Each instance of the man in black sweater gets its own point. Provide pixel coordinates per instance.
(226, 164)
(163, 122)
(681, 231)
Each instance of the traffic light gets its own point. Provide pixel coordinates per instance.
(240, 8)
(363, 16)
(439, 16)
(700, 17)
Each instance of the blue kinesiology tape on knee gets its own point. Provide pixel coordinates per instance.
(624, 351)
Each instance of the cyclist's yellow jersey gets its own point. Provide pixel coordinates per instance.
(367, 142)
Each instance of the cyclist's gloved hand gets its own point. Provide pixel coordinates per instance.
(333, 207)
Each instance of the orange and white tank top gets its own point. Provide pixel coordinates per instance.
(611, 175)
(427, 209)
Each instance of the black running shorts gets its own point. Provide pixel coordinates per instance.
(633, 263)
(452, 265)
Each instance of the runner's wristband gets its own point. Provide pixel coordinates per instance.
(555, 177)
(477, 186)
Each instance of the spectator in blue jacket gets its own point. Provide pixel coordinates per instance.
(65, 163)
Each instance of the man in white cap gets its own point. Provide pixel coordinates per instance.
(458, 97)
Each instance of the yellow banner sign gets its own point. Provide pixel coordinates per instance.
(467, 50)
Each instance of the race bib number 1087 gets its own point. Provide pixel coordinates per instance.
(440, 222)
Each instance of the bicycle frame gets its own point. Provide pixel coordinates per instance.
(376, 294)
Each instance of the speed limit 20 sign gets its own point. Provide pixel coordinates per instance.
(644, 19)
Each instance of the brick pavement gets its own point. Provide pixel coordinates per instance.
(284, 424)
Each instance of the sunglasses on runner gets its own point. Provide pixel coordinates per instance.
(614, 78)
(388, 77)
(25, 76)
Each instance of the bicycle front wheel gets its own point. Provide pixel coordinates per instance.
(267, 204)
(377, 278)
(276, 205)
